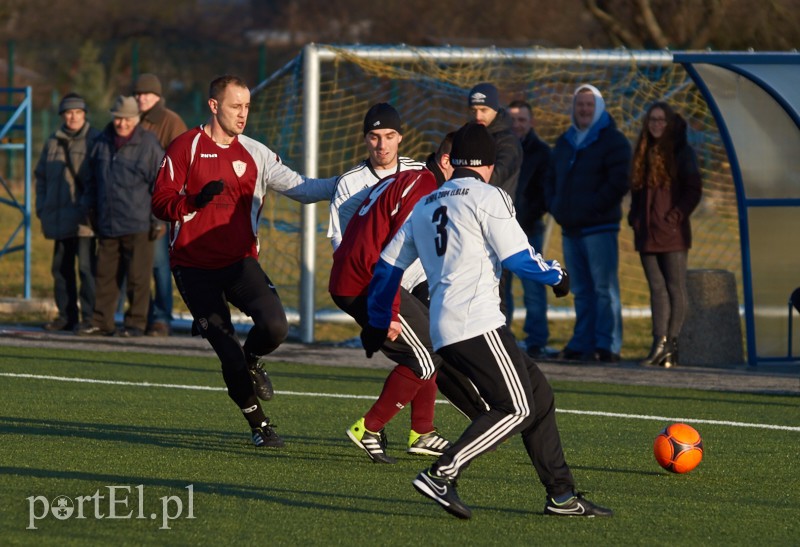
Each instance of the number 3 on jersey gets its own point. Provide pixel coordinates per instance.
(440, 220)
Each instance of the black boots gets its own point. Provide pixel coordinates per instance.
(672, 361)
(664, 353)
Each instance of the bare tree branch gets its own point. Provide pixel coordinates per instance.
(713, 14)
(612, 26)
(651, 24)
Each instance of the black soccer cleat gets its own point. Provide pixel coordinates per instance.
(261, 381)
(443, 491)
(265, 436)
(430, 444)
(576, 506)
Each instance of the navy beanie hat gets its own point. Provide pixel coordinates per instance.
(484, 94)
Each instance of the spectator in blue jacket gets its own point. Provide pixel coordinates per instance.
(589, 178)
(124, 163)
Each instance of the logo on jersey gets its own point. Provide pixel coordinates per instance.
(202, 155)
(239, 167)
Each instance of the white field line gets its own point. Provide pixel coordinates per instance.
(371, 397)
(673, 420)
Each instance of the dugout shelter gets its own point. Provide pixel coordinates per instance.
(755, 100)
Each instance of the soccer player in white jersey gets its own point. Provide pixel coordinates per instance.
(211, 187)
(383, 134)
(464, 234)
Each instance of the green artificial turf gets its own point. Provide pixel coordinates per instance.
(152, 445)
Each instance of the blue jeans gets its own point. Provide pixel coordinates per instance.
(593, 262)
(161, 302)
(535, 299)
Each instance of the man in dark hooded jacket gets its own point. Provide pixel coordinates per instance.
(584, 192)
(484, 108)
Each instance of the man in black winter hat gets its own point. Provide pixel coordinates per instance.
(484, 108)
(383, 133)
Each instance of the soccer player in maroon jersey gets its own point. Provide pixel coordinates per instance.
(413, 380)
(211, 187)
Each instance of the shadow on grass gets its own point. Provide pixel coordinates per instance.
(50, 430)
(299, 447)
(339, 501)
(212, 368)
(84, 360)
(336, 453)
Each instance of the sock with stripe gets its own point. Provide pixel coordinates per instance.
(400, 388)
(253, 412)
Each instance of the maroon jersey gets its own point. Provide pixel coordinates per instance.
(378, 218)
(226, 230)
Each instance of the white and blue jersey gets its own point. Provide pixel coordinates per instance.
(464, 234)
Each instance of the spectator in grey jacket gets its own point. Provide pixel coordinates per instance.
(124, 162)
(61, 176)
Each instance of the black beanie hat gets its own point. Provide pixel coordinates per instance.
(382, 116)
(473, 146)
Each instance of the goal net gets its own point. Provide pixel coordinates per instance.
(428, 87)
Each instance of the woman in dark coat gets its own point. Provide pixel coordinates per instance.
(665, 188)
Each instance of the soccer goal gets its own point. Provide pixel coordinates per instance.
(311, 113)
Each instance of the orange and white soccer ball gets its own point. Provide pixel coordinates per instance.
(678, 448)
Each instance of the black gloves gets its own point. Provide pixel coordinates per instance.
(372, 338)
(211, 189)
(561, 288)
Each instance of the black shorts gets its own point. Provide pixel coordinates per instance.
(244, 284)
(413, 348)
